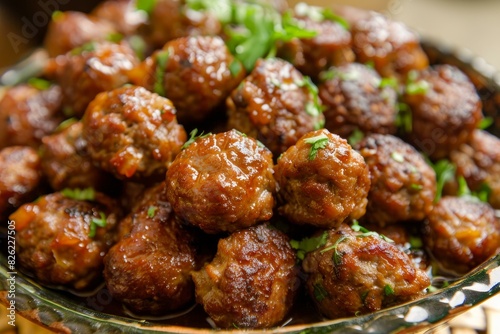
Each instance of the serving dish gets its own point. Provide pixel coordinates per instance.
(94, 313)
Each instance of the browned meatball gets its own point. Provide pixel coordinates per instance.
(275, 104)
(222, 183)
(171, 19)
(444, 114)
(97, 68)
(149, 269)
(132, 132)
(403, 185)
(20, 178)
(354, 98)
(330, 47)
(390, 45)
(195, 74)
(27, 114)
(69, 30)
(121, 14)
(252, 280)
(66, 163)
(461, 233)
(62, 241)
(478, 161)
(321, 181)
(354, 274)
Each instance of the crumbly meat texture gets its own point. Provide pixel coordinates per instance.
(353, 274)
(27, 114)
(403, 185)
(149, 269)
(325, 189)
(54, 242)
(222, 183)
(132, 132)
(251, 282)
(461, 233)
(274, 105)
(446, 114)
(355, 100)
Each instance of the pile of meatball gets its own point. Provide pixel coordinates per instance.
(158, 164)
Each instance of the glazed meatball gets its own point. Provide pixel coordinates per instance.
(121, 14)
(353, 274)
(62, 241)
(70, 30)
(132, 132)
(20, 178)
(390, 45)
(149, 268)
(195, 75)
(66, 163)
(461, 233)
(275, 104)
(97, 68)
(321, 181)
(403, 185)
(330, 47)
(222, 183)
(252, 280)
(444, 114)
(478, 161)
(354, 98)
(27, 114)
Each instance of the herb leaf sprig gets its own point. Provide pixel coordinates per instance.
(317, 143)
(307, 245)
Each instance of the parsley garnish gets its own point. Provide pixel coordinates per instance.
(355, 137)
(317, 143)
(445, 171)
(307, 245)
(367, 233)
(319, 14)
(483, 194)
(337, 258)
(416, 242)
(114, 37)
(404, 118)
(314, 107)
(388, 290)
(388, 82)
(485, 123)
(145, 5)
(87, 47)
(38, 83)
(152, 211)
(398, 157)
(95, 222)
(414, 86)
(417, 187)
(192, 138)
(66, 124)
(161, 63)
(221, 9)
(87, 194)
(57, 15)
(235, 68)
(320, 292)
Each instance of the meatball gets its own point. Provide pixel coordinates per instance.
(461, 233)
(445, 113)
(27, 114)
(20, 178)
(275, 104)
(222, 183)
(356, 274)
(195, 74)
(62, 241)
(321, 181)
(330, 47)
(66, 163)
(251, 282)
(390, 45)
(69, 30)
(97, 68)
(132, 132)
(121, 14)
(149, 269)
(356, 99)
(403, 185)
(478, 161)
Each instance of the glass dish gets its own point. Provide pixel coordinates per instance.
(61, 312)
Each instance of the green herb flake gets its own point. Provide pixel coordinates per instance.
(445, 171)
(235, 68)
(87, 47)
(161, 63)
(145, 5)
(319, 292)
(97, 222)
(420, 87)
(398, 157)
(388, 290)
(482, 195)
(139, 46)
(367, 233)
(114, 37)
(336, 257)
(38, 83)
(193, 136)
(57, 15)
(66, 124)
(317, 143)
(87, 194)
(416, 187)
(355, 137)
(307, 245)
(485, 123)
(329, 15)
(404, 119)
(388, 82)
(152, 211)
(221, 9)
(329, 74)
(416, 242)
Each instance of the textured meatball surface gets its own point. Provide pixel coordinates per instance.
(222, 183)
(354, 99)
(444, 115)
(54, 240)
(403, 185)
(461, 233)
(353, 274)
(274, 105)
(252, 280)
(132, 132)
(149, 268)
(325, 187)
(121, 14)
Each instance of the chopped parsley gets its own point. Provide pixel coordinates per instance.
(317, 143)
(145, 5)
(57, 15)
(367, 233)
(416, 187)
(97, 222)
(319, 292)
(355, 137)
(307, 245)
(114, 37)
(152, 211)
(221, 9)
(38, 83)
(445, 171)
(416, 242)
(388, 82)
(398, 157)
(87, 47)
(336, 257)
(87, 194)
(483, 194)
(235, 68)
(485, 123)
(161, 63)
(193, 137)
(320, 14)
(66, 124)
(415, 86)
(388, 290)
(404, 120)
